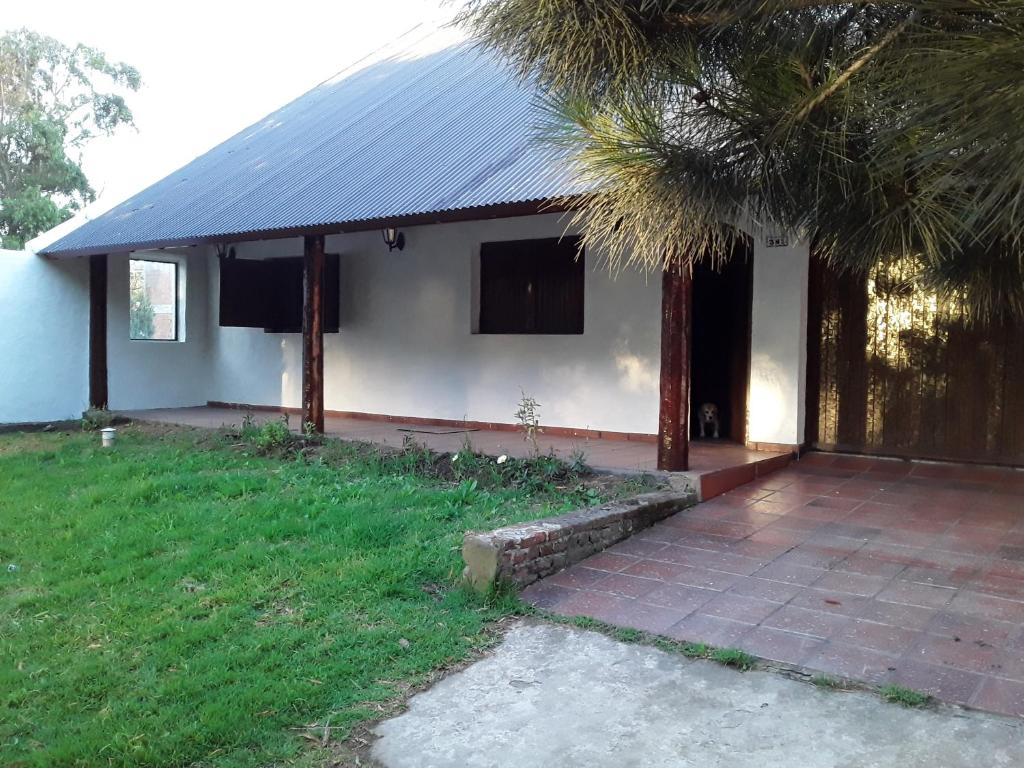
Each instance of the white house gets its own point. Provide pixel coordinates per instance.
(434, 145)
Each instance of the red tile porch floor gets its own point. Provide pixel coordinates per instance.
(719, 466)
(873, 570)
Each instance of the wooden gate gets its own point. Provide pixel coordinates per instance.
(894, 370)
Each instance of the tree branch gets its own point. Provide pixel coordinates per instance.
(858, 64)
(711, 18)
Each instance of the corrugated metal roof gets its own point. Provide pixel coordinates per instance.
(410, 132)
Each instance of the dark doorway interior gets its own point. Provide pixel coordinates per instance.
(721, 343)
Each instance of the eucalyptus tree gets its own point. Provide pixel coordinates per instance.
(889, 130)
(53, 101)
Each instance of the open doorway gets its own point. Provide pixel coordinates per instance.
(720, 367)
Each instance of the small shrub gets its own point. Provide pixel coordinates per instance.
(538, 474)
(249, 428)
(468, 463)
(528, 418)
(549, 466)
(96, 418)
(733, 657)
(274, 434)
(266, 437)
(897, 694)
(578, 462)
(310, 433)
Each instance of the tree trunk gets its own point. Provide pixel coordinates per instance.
(313, 334)
(676, 343)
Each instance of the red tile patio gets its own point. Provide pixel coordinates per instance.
(874, 570)
(718, 465)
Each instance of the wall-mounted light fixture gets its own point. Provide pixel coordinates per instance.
(393, 238)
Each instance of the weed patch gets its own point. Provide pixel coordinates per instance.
(730, 657)
(906, 697)
(825, 681)
(96, 419)
(695, 650)
(733, 657)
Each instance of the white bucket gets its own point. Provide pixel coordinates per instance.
(108, 434)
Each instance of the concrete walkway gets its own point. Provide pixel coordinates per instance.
(557, 696)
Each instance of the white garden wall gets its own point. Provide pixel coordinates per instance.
(44, 338)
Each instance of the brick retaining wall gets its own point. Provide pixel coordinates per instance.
(521, 554)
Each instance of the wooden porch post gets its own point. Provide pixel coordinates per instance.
(98, 331)
(313, 332)
(676, 341)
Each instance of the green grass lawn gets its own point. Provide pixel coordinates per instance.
(181, 601)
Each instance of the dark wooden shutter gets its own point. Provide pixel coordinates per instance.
(507, 295)
(899, 371)
(284, 291)
(267, 294)
(559, 280)
(242, 293)
(532, 286)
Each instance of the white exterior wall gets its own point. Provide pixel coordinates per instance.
(159, 374)
(44, 343)
(778, 359)
(247, 365)
(406, 345)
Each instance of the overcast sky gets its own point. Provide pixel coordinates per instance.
(211, 68)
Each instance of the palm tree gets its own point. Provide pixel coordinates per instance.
(882, 131)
